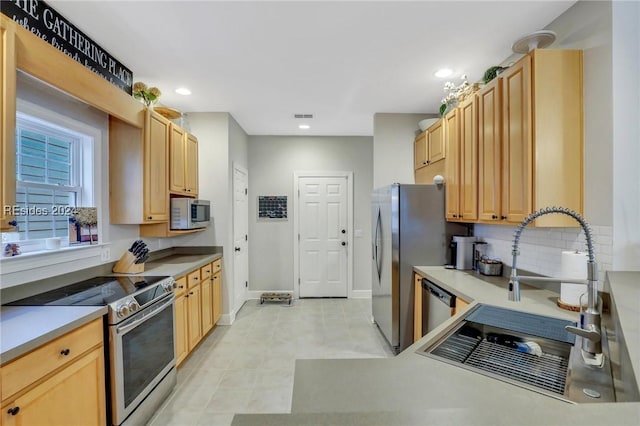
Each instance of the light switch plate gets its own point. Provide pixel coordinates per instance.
(105, 255)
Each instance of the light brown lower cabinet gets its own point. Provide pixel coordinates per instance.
(198, 307)
(460, 305)
(181, 321)
(217, 297)
(59, 383)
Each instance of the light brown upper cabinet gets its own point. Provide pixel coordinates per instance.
(429, 150)
(452, 165)
(542, 136)
(184, 162)
(462, 162)
(469, 159)
(490, 152)
(138, 171)
(8, 125)
(429, 145)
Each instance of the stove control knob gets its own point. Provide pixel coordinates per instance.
(133, 306)
(168, 287)
(122, 310)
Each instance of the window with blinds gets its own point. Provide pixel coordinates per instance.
(48, 176)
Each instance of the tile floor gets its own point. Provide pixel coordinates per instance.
(248, 367)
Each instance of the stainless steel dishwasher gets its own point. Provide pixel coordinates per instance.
(437, 305)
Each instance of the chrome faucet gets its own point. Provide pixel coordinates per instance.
(589, 328)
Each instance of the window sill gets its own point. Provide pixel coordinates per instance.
(41, 258)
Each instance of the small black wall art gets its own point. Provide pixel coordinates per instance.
(272, 207)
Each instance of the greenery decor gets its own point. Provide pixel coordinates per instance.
(491, 73)
(455, 94)
(148, 95)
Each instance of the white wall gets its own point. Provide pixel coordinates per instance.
(626, 135)
(393, 137)
(272, 162)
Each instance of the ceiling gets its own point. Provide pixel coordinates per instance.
(341, 61)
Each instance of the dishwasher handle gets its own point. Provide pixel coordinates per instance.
(443, 295)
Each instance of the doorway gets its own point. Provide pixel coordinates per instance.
(323, 212)
(240, 236)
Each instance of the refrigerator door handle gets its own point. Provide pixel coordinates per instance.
(377, 258)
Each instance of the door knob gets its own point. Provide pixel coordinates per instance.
(237, 248)
(343, 243)
(344, 231)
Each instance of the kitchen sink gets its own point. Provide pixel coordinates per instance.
(495, 342)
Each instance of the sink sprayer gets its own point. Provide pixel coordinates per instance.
(589, 328)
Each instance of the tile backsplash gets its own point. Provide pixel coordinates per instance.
(541, 248)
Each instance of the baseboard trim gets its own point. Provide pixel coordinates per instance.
(361, 294)
(227, 319)
(355, 294)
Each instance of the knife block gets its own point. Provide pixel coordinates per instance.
(126, 264)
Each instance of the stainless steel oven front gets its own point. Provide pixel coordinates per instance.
(142, 362)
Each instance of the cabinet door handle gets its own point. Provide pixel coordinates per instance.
(65, 352)
(149, 217)
(191, 293)
(504, 218)
(494, 217)
(455, 215)
(180, 286)
(13, 410)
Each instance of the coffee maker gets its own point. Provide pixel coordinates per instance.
(462, 252)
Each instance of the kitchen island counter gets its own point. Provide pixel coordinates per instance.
(413, 389)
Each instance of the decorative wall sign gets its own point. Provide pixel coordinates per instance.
(272, 207)
(42, 20)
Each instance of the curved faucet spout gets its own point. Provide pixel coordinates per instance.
(590, 321)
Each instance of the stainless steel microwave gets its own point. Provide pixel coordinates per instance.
(187, 213)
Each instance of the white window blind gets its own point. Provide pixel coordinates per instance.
(47, 178)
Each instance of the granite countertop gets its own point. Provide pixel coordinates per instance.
(178, 265)
(24, 328)
(413, 389)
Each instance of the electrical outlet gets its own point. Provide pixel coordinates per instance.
(105, 255)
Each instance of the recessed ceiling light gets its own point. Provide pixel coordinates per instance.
(183, 91)
(442, 73)
(304, 126)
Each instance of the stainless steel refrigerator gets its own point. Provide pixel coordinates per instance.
(408, 229)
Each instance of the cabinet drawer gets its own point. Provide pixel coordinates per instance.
(217, 265)
(205, 271)
(193, 278)
(181, 286)
(26, 370)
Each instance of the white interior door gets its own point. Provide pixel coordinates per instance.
(323, 228)
(240, 235)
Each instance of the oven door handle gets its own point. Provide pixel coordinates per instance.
(130, 326)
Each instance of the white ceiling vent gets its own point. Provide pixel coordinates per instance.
(302, 115)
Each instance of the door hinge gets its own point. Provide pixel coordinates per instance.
(298, 280)
(246, 284)
(246, 237)
(298, 237)
(298, 193)
(246, 191)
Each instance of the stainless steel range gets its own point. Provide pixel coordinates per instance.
(140, 328)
